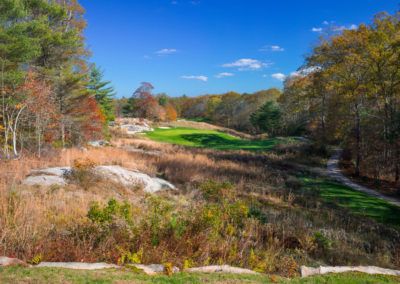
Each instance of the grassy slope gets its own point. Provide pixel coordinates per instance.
(52, 275)
(209, 139)
(357, 202)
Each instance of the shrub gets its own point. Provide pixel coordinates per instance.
(130, 258)
(110, 212)
(83, 173)
(215, 191)
(258, 214)
(322, 242)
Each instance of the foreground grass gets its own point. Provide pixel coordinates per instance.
(357, 202)
(210, 139)
(53, 275)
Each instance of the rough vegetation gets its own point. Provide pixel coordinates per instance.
(237, 208)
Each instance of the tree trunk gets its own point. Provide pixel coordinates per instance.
(358, 142)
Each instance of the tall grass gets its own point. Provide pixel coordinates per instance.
(238, 208)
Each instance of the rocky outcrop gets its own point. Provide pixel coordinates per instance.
(98, 143)
(309, 271)
(77, 265)
(129, 178)
(48, 177)
(153, 269)
(220, 269)
(8, 261)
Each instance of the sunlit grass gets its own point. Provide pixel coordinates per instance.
(357, 202)
(211, 139)
(53, 275)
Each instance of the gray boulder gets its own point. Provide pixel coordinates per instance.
(153, 269)
(8, 261)
(57, 176)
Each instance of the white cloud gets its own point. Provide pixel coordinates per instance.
(305, 71)
(247, 64)
(316, 30)
(279, 76)
(353, 27)
(273, 48)
(224, 75)
(342, 28)
(192, 77)
(166, 51)
(330, 26)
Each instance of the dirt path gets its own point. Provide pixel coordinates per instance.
(335, 173)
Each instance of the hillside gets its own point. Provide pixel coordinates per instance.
(194, 141)
(244, 208)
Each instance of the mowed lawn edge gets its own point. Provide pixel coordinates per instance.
(54, 275)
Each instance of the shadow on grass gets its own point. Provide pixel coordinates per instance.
(221, 142)
(357, 202)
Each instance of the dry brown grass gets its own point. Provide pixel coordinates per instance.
(54, 222)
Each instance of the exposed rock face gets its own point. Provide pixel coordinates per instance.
(7, 261)
(133, 125)
(221, 269)
(77, 265)
(47, 177)
(57, 176)
(129, 178)
(98, 143)
(309, 271)
(153, 269)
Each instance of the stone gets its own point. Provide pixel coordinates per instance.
(132, 129)
(309, 271)
(57, 176)
(153, 269)
(98, 143)
(128, 178)
(77, 265)
(8, 261)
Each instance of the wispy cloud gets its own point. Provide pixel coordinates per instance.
(317, 30)
(279, 76)
(273, 48)
(166, 51)
(331, 26)
(247, 64)
(192, 77)
(224, 75)
(342, 28)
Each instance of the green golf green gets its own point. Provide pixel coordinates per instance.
(211, 139)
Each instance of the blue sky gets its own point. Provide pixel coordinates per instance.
(196, 47)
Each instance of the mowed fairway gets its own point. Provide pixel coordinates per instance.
(211, 139)
(357, 202)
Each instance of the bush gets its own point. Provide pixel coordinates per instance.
(215, 191)
(83, 173)
(109, 213)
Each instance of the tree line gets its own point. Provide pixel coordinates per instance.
(50, 93)
(348, 92)
(244, 112)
